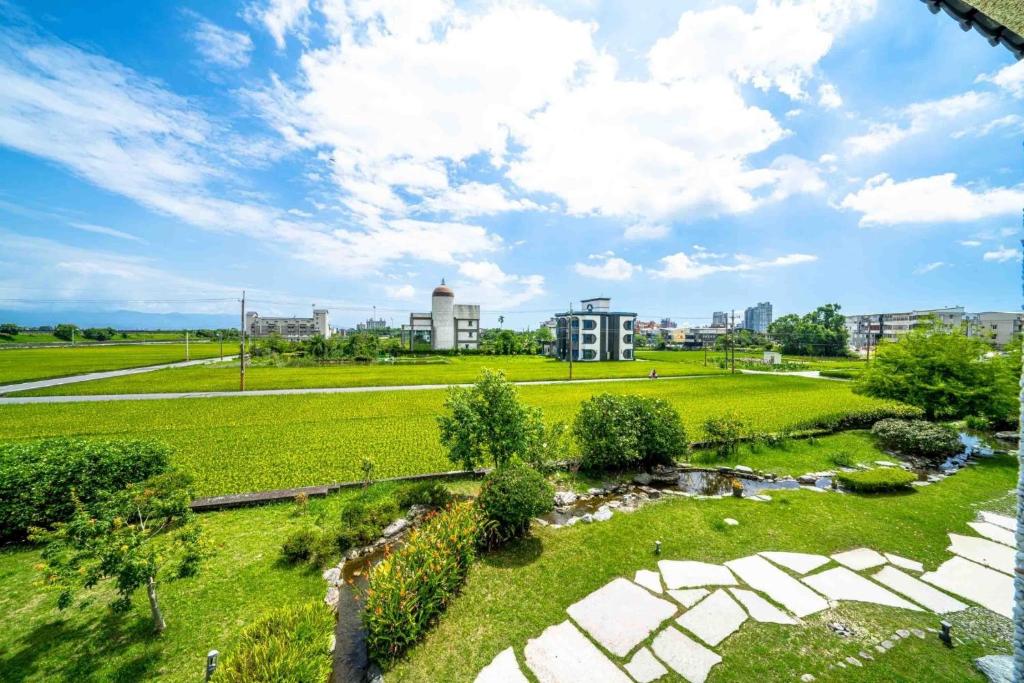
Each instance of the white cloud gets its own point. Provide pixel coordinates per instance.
(777, 45)
(828, 159)
(401, 292)
(475, 199)
(109, 232)
(929, 267)
(1002, 254)
(487, 284)
(607, 267)
(919, 117)
(681, 266)
(828, 96)
(646, 231)
(970, 243)
(1010, 78)
(220, 46)
(884, 201)
(1013, 124)
(280, 17)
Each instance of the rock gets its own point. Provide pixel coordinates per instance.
(595, 492)
(918, 632)
(396, 527)
(1007, 436)
(539, 521)
(613, 504)
(374, 675)
(996, 668)
(807, 678)
(332, 575)
(603, 514)
(416, 511)
(865, 656)
(903, 633)
(886, 463)
(887, 645)
(564, 498)
(587, 518)
(730, 521)
(744, 468)
(880, 649)
(331, 599)
(642, 479)
(809, 478)
(853, 661)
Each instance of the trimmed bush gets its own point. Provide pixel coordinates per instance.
(309, 544)
(724, 433)
(362, 522)
(290, 644)
(37, 478)
(840, 374)
(410, 588)
(428, 493)
(616, 432)
(918, 437)
(859, 419)
(513, 495)
(876, 480)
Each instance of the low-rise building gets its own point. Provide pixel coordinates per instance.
(292, 329)
(869, 329)
(448, 326)
(996, 327)
(595, 332)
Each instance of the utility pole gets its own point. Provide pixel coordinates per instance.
(241, 346)
(732, 341)
(72, 336)
(568, 331)
(220, 338)
(187, 358)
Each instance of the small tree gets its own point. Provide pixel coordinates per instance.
(724, 433)
(132, 537)
(64, 331)
(9, 329)
(628, 431)
(488, 424)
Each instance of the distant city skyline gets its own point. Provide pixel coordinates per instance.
(162, 159)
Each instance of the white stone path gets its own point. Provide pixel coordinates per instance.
(640, 631)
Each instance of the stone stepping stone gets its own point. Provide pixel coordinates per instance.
(644, 668)
(1008, 523)
(761, 575)
(689, 597)
(621, 615)
(686, 657)
(801, 563)
(561, 654)
(919, 592)
(503, 669)
(859, 559)
(904, 563)
(987, 587)
(690, 574)
(760, 609)
(649, 580)
(983, 551)
(840, 583)
(995, 533)
(714, 619)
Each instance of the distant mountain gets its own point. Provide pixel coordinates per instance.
(121, 320)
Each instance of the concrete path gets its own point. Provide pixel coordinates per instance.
(10, 400)
(622, 616)
(810, 374)
(73, 379)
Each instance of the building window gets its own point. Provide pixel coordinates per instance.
(627, 325)
(589, 324)
(589, 354)
(627, 339)
(575, 322)
(627, 353)
(575, 340)
(589, 339)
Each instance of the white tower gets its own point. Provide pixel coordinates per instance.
(320, 322)
(442, 310)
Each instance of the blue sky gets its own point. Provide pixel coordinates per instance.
(163, 156)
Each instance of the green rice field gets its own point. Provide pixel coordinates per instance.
(24, 365)
(238, 444)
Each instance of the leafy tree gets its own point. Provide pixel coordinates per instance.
(362, 346)
(615, 431)
(318, 347)
(133, 537)
(946, 374)
(99, 333)
(9, 329)
(822, 332)
(64, 331)
(487, 423)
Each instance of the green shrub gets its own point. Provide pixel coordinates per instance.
(309, 544)
(840, 374)
(287, 645)
(513, 495)
(363, 522)
(37, 478)
(410, 588)
(918, 437)
(615, 432)
(428, 493)
(876, 480)
(724, 433)
(859, 419)
(977, 422)
(841, 459)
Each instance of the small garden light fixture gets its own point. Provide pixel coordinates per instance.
(211, 663)
(657, 547)
(944, 634)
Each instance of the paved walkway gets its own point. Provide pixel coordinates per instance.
(811, 374)
(675, 617)
(73, 379)
(283, 392)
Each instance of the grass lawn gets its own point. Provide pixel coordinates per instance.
(26, 337)
(244, 444)
(513, 595)
(457, 370)
(23, 365)
(799, 456)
